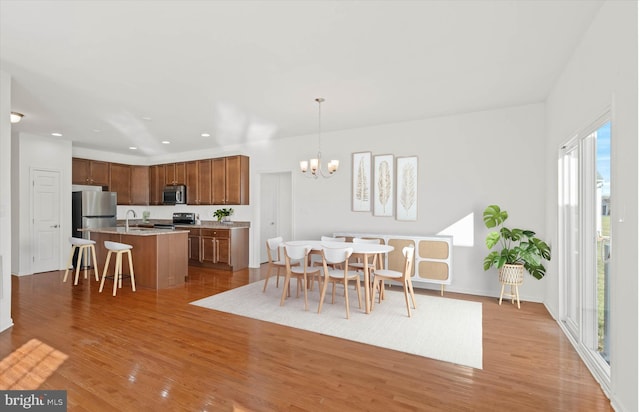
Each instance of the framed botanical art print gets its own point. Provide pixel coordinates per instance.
(383, 185)
(361, 182)
(407, 188)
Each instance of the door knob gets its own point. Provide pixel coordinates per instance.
(55, 226)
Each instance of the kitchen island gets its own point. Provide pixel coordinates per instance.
(160, 256)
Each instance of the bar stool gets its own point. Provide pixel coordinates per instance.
(83, 246)
(119, 249)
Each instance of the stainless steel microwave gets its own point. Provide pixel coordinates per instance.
(174, 195)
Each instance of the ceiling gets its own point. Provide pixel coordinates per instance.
(109, 75)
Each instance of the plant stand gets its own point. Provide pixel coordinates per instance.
(512, 275)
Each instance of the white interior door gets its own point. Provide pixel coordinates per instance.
(275, 208)
(46, 221)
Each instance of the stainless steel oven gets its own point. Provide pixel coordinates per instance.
(184, 218)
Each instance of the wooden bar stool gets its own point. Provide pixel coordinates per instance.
(119, 249)
(83, 246)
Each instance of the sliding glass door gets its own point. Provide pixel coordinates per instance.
(586, 241)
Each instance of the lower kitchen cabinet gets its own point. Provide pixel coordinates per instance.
(216, 246)
(194, 246)
(226, 249)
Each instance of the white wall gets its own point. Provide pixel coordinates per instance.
(602, 73)
(5, 201)
(41, 153)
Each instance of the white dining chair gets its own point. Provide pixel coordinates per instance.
(373, 260)
(297, 265)
(332, 239)
(332, 255)
(403, 277)
(316, 260)
(275, 261)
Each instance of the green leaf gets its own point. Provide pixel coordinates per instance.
(537, 272)
(492, 239)
(493, 216)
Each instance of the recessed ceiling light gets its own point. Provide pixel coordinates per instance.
(205, 135)
(147, 118)
(165, 142)
(56, 134)
(133, 148)
(97, 130)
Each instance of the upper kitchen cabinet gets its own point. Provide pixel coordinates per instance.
(230, 180)
(175, 173)
(90, 172)
(121, 182)
(204, 182)
(199, 182)
(192, 182)
(156, 184)
(140, 185)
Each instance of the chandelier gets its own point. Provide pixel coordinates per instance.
(313, 167)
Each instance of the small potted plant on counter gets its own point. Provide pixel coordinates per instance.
(223, 215)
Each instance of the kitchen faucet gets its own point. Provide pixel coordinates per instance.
(126, 219)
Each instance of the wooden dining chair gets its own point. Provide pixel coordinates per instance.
(316, 260)
(332, 239)
(403, 277)
(338, 255)
(275, 261)
(358, 265)
(296, 260)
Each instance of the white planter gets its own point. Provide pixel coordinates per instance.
(511, 274)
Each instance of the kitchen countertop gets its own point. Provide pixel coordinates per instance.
(216, 225)
(207, 224)
(135, 230)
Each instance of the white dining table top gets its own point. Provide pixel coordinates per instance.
(357, 247)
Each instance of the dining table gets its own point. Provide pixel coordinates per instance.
(362, 250)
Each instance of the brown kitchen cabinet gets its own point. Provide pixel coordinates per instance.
(230, 180)
(226, 249)
(175, 173)
(204, 182)
(156, 184)
(194, 246)
(215, 246)
(139, 185)
(199, 182)
(89, 172)
(192, 182)
(121, 182)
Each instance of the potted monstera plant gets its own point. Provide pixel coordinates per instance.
(512, 250)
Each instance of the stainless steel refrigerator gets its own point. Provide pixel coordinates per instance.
(90, 210)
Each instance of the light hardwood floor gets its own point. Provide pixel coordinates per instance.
(152, 351)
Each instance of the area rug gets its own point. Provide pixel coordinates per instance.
(440, 328)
